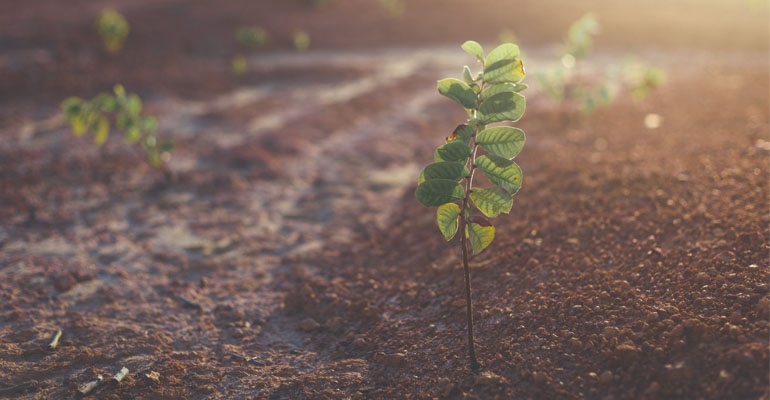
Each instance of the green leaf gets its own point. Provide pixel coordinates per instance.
(504, 65)
(72, 107)
(132, 134)
(505, 87)
(149, 124)
(166, 146)
(436, 192)
(480, 236)
(506, 106)
(463, 132)
(120, 92)
(446, 217)
(502, 172)
(78, 123)
(134, 104)
(458, 91)
(504, 141)
(101, 130)
(467, 76)
(443, 170)
(454, 151)
(104, 102)
(474, 49)
(492, 201)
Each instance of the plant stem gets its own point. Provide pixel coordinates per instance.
(468, 302)
(466, 267)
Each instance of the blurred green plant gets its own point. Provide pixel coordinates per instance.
(239, 65)
(572, 82)
(251, 36)
(125, 111)
(393, 8)
(301, 40)
(113, 28)
(489, 97)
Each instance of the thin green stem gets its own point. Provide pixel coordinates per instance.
(466, 213)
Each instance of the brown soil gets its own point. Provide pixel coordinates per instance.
(286, 257)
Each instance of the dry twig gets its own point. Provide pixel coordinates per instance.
(55, 340)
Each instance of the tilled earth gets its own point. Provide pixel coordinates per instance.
(285, 256)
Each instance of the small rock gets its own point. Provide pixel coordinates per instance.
(153, 376)
(539, 377)
(610, 332)
(308, 325)
(652, 317)
(575, 344)
(393, 360)
(64, 282)
(605, 377)
(653, 388)
(489, 378)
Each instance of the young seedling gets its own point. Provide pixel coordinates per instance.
(125, 111)
(113, 28)
(490, 97)
(570, 82)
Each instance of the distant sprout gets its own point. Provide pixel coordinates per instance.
(507, 36)
(125, 111)
(301, 40)
(251, 36)
(569, 81)
(641, 79)
(113, 28)
(580, 36)
(394, 8)
(240, 65)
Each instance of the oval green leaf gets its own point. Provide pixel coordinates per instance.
(505, 87)
(464, 132)
(492, 201)
(458, 91)
(480, 236)
(467, 75)
(454, 151)
(443, 170)
(503, 141)
(504, 65)
(506, 106)
(502, 172)
(101, 130)
(436, 192)
(446, 218)
(474, 48)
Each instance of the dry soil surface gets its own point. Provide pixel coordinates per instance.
(285, 257)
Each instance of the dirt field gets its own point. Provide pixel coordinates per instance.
(286, 257)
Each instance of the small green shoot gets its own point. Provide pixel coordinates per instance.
(490, 97)
(125, 112)
(572, 82)
(113, 28)
(251, 36)
(301, 40)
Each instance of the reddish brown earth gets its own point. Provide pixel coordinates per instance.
(634, 264)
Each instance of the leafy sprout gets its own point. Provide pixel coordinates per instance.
(122, 110)
(113, 28)
(479, 145)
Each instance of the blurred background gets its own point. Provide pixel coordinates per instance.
(50, 49)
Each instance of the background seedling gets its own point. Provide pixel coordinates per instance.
(490, 97)
(125, 112)
(251, 36)
(573, 83)
(113, 28)
(301, 40)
